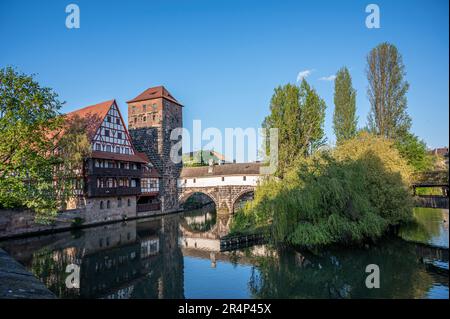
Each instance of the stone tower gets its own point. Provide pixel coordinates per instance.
(152, 116)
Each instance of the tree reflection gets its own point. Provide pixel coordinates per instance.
(340, 273)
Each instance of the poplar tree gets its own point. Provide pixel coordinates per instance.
(344, 117)
(298, 113)
(387, 92)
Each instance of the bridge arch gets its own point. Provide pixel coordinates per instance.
(247, 191)
(184, 196)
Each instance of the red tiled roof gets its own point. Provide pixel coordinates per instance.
(119, 157)
(143, 156)
(155, 93)
(151, 173)
(94, 114)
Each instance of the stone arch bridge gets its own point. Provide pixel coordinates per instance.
(225, 184)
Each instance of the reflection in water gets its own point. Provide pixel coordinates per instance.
(339, 273)
(178, 256)
(430, 226)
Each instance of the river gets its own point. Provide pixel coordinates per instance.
(178, 256)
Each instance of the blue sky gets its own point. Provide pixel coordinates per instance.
(222, 59)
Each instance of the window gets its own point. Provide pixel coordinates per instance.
(119, 135)
(223, 178)
(101, 204)
(117, 149)
(127, 150)
(98, 147)
(154, 106)
(118, 121)
(129, 202)
(133, 183)
(134, 166)
(110, 182)
(154, 117)
(108, 148)
(97, 163)
(108, 204)
(244, 178)
(119, 202)
(144, 119)
(144, 107)
(193, 180)
(108, 119)
(135, 119)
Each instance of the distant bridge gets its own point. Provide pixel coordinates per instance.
(435, 179)
(431, 179)
(225, 184)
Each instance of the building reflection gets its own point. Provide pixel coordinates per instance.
(116, 261)
(146, 259)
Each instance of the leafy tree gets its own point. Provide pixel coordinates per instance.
(387, 92)
(28, 112)
(415, 152)
(298, 113)
(344, 118)
(34, 158)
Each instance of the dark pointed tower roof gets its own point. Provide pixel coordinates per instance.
(155, 93)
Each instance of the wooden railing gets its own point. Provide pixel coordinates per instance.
(116, 172)
(115, 191)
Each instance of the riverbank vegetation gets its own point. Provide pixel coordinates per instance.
(350, 193)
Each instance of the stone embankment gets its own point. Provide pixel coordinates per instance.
(18, 283)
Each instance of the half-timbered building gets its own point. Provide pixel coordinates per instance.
(117, 180)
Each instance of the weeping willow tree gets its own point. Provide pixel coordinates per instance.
(350, 195)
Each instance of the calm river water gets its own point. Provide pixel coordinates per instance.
(178, 256)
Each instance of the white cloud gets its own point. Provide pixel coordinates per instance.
(328, 78)
(303, 74)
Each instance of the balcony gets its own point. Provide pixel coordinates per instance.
(116, 172)
(116, 191)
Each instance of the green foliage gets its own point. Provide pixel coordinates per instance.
(331, 198)
(298, 113)
(37, 161)
(387, 92)
(415, 152)
(28, 112)
(344, 117)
